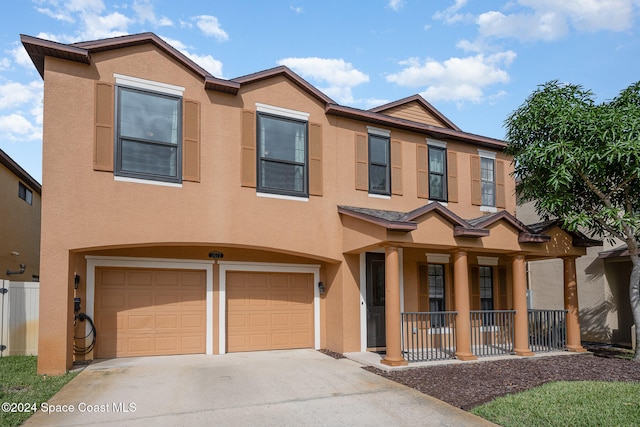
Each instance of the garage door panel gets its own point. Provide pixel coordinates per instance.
(140, 323)
(139, 278)
(164, 322)
(150, 312)
(269, 311)
(139, 300)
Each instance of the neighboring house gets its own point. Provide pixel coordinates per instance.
(202, 215)
(603, 277)
(19, 222)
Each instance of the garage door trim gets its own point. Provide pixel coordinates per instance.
(162, 263)
(267, 268)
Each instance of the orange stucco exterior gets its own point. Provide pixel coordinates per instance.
(88, 214)
(20, 225)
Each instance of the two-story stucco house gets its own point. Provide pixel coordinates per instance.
(19, 222)
(201, 215)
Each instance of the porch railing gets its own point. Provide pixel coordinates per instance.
(492, 332)
(428, 336)
(547, 330)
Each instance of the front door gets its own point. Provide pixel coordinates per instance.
(376, 336)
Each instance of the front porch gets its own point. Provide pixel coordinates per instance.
(437, 287)
(430, 336)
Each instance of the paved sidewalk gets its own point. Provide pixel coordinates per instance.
(275, 388)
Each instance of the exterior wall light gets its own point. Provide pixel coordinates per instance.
(216, 255)
(321, 288)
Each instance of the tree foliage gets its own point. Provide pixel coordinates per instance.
(579, 161)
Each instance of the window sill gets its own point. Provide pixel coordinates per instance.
(146, 181)
(439, 201)
(282, 197)
(491, 209)
(379, 196)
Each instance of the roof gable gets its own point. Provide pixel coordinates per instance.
(416, 109)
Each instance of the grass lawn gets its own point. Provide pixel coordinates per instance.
(567, 403)
(23, 389)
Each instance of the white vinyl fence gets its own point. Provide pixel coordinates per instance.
(19, 318)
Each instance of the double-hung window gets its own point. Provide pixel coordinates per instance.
(488, 181)
(282, 155)
(486, 287)
(436, 287)
(437, 173)
(379, 164)
(24, 193)
(149, 135)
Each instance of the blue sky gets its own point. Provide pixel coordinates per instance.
(474, 60)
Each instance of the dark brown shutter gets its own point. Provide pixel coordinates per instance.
(422, 168)
(501, 201)
(476, 187)
(315, 159)
(362, 162)
(248, 159)
(104, 124)
(396, 168)
(191, 141)
(452, 178)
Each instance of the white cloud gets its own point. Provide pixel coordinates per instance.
(13, 94)
(456, 79)
(210, 26)
(550, 19)
(207, 62)
(99, 27)
(340, 76)
(145, 12)
(450, 15)
(297, 9)
(5, 63)
(396, 4)
(16, 127)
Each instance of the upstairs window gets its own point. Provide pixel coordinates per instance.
(379, 165)
(437, 173)
(487, 177)
(149, 135)
(24, 193)
(282, 155)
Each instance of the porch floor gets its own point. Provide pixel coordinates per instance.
(374, 359)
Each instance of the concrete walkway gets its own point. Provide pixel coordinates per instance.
(275, 388)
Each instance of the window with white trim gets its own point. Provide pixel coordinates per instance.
(488, 181)
(437, 173)
(379, 162)
(148, 134)
(282, 154)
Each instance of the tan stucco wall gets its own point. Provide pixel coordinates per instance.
(19, 229)
(88, 212)
(605, 315)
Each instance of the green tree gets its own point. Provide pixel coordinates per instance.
(579, 161)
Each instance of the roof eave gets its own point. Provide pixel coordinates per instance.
(434, 131)
(39, 48)
(470, 232)
(533, 238)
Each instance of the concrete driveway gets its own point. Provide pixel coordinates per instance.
(275, 388)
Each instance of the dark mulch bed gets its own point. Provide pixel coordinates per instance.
(332, 354)
(471, 384)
